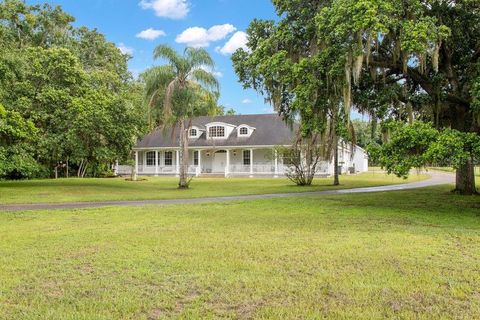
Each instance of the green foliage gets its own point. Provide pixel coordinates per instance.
(420, 144)
(454, 148)
(300, 77)
(401, 60)
(16, 134)
(476, 98)
(366, 132)
(230, 112)
(71, 85)
(407, 147)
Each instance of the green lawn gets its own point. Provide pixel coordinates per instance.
(404, 255)
(449, 169)
(65, 190)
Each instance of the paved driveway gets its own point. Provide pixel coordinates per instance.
(437, 178)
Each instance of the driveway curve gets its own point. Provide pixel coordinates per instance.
(436, 178)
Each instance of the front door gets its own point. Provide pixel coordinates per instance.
(219, 161)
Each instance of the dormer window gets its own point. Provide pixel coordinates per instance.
(219, 130)
(193, 132)
(243, 131)
(216, 132)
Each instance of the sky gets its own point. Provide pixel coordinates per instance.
(138, 26)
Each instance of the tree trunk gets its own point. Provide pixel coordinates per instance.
(133, 175)
(465, 175)
(465, 179)
(66, 168)
(183, 153)
(84, 169)
(336, 180)
(79, 171)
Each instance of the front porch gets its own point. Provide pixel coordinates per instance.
(225, 161)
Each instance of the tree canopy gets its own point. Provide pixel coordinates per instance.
(392, 59)
(71, 87)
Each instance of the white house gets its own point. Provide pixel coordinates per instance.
(237, 145)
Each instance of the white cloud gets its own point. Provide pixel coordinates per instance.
(173, 9)
(246, 101)
(124, 49)
(150, 34)
(237, 41)
(219, 32)
(200, 37)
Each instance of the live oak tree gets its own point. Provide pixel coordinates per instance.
(412, 59)
(303, 82)
(182, 89)
(401, 59)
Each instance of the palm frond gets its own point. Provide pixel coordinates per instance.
(166, 52)
(205, 79)
(156, 78)
(198, 57)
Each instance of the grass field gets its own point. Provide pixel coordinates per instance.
(404, 255)
(448, 169)
(65, 190)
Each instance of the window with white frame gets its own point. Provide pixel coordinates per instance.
(150, 158)
(246, 157)
(216, 132)
(195, 158)
(193, 132)
(168, 158)
(243, 131)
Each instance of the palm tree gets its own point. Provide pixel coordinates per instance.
(184, 89)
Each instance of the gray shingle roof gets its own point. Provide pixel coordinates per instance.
(270, 130)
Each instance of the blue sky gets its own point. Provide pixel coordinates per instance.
(178, 23)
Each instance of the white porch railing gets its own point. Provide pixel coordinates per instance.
(321, 168)
(235, 169)
(167, 170)
(256, 168)
(143, 169)
(123, 170)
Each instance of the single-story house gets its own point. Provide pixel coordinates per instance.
(232, 145)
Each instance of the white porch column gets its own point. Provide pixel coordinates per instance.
(157, 160)
(251, 163)
(276, 164)
(177, 162)
(199, 152)
(136, 162)
(227, 166)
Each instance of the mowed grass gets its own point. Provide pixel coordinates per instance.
(67, 190)
(476, 170)
(404, 255)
